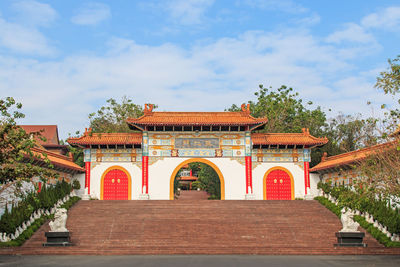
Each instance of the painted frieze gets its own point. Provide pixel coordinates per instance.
(280, 155)
(194, 144)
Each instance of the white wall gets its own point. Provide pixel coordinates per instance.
(233, 172)
(81, 178)
(314, 180)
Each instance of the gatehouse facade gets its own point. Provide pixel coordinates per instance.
(143, 164)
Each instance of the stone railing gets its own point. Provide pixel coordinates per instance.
(368, 217)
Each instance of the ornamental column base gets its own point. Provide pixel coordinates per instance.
(144, 197)
(250, 197)
(86, 195)
(309, 197)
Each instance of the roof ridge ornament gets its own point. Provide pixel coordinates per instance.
(324, 156)
(305, 131)
(246, 109)
(148, 109)
(88, 131)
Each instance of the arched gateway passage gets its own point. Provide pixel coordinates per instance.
(278, 184)
(209, 163)
(115, 184)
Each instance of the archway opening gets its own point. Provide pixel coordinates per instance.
(197, 179)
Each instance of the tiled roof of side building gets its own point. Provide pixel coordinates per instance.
(188, 178)
(396, 133)
(349, 158)
(151, 118)
(57, 159)
(50, 132)
(90, 138)
(303, 138)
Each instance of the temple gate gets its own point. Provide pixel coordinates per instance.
(147, 161)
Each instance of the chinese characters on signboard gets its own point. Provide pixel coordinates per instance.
(197, 143)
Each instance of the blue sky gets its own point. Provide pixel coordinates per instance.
(64, 59)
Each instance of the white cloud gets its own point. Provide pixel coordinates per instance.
(386, 19)
(188, 12)
(351, 33)
(34, 13)
(281, 5)
(203, 77)
(22, 39)
(91, 14)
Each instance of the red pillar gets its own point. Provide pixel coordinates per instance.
(306, 176)
(87, 176)
(145, 174)
(249, 178)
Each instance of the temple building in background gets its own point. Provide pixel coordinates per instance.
(143, 164)
(48, 144)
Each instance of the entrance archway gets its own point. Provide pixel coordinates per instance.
(209, 163)
(278, 184)
(116, 184)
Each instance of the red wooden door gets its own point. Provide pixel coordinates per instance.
(278, 186)
(115, 185)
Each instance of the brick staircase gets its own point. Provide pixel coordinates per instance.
(199, 227)
(192, 195)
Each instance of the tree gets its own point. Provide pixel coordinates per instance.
(111, 118)
(349, 133)
(389, 81)
(380, 172)
(208, 179)
(287, 113)
(17, 160)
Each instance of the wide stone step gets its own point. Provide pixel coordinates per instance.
(200, 227)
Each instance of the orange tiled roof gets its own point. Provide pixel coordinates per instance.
(188, 178)
(57, 159)
(150, 118)
(50, 132)
(89, 138)
(396, 133)
(303, 138)
(349, 157)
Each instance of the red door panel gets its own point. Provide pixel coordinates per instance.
(115, 185)
(278, 186)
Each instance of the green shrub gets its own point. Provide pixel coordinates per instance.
(46, 198)
(376, 233)
(76, 185)
(365, 201)
(35, 226)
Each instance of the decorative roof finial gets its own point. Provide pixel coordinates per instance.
(246, 109)
(324, 156)
(148, 108)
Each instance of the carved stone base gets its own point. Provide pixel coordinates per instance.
(250, 197)
(57, 239)
(350, 239)
(85, 197)
(309, 197)
(144, 197)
